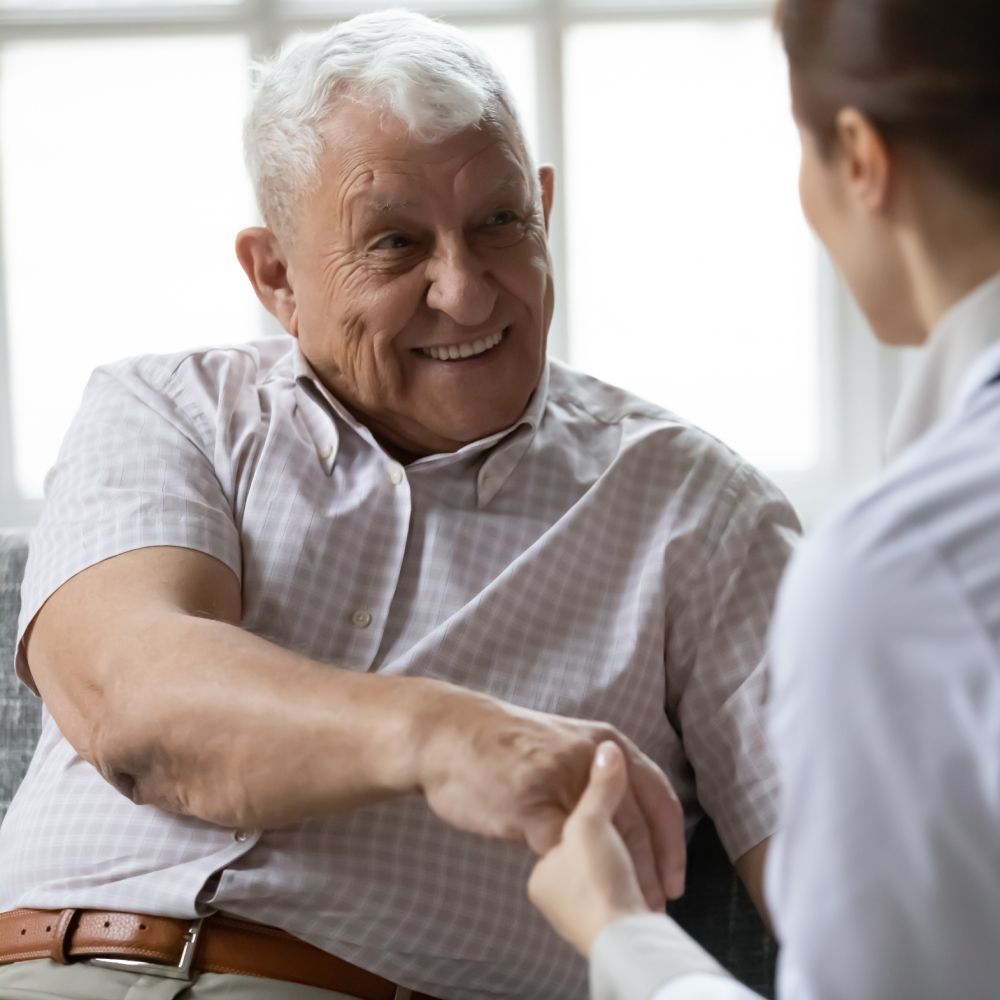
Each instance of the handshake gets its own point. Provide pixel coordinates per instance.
(603, 818)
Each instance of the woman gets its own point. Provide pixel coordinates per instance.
(884, 881)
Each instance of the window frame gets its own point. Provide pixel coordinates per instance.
(858, 379)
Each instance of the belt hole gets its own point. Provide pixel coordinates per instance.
(24, 930)
(107, 923)
(142, 927)
(47, 929)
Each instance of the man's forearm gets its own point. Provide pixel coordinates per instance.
(144, 666)
(206, 719)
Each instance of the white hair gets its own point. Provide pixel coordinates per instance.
(429, 75)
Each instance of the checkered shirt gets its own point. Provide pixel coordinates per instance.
(601, 559)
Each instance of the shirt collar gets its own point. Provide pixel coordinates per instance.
(511, 444)
(502, 451)
(961, 355)
(320, 406)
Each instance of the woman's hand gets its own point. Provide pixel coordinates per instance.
(587, 880)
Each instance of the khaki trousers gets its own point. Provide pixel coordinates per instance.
(47, 980)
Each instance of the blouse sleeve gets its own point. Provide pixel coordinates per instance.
(649, 957)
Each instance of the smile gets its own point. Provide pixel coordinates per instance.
(458, 352)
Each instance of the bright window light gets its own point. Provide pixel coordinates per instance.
(511, 48)
(692, 276)
(123, 187)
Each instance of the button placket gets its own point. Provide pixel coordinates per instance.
(399, 508)
(362, 618)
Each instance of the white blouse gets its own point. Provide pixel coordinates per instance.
(884, 880)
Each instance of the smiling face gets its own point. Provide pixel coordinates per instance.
(418, 280)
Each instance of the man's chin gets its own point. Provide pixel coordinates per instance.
(471, 429)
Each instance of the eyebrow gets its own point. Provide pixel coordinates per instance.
(385, 206)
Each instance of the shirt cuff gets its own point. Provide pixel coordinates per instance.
(635, 956)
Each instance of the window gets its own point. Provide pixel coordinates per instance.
(121, 187)
(684, 270)
(694, 277)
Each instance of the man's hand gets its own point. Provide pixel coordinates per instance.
(501, 771)
(589, 880)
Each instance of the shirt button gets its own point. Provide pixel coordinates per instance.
(326, 452)
(396, 474)
(361, 618)
(241, 835)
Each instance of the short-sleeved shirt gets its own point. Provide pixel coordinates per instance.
(601, 558)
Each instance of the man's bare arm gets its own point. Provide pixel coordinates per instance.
(141, 662)
(143, 665)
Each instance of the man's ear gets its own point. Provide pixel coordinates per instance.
(262, 258)
(547, 179)
(866, 166)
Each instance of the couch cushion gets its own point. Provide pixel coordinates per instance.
(20, 710)
(717, 912)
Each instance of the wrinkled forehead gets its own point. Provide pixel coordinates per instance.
(374, 156)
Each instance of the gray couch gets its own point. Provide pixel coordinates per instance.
(20, 711)
(715, 909)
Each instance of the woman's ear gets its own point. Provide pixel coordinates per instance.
(865, 163)
(261, 257)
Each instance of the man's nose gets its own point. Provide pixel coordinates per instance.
(460, 286)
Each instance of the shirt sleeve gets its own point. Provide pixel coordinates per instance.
(885, 723)
(717, 669)
(135, 470)
(649, 957)
(702, 987)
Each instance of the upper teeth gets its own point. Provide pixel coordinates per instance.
(452, 352)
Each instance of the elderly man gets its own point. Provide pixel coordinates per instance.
(312, 615)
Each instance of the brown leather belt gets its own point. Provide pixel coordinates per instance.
(180, 949)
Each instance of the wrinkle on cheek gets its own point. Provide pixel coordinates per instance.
(363, 364)
(354, 333)
(538, 237)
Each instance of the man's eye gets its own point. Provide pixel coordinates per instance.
(499, 219)
(397, 241)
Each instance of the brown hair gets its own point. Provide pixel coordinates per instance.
(926, 73)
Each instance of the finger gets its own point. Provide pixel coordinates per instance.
(632, 826)
(664, 816)
(607, 786)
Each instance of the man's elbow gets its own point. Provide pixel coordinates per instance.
(112, 725)
(111, 736)
(173, 776)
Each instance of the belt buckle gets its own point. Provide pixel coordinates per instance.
(182, 970)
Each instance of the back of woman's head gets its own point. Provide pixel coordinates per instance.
(926, 73)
